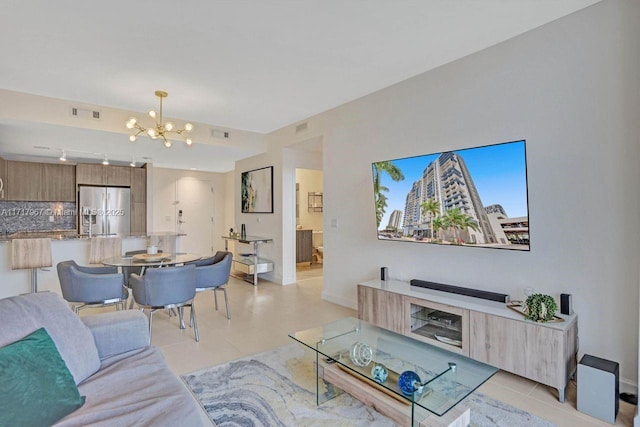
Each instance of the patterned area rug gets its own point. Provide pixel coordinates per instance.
(277, 388)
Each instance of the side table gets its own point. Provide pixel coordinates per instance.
(250, 263)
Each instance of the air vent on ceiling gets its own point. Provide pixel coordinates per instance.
(41, 147)
(301, 127)
(215, 133)
(83, 113)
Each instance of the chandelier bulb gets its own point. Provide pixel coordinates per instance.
(131, 123)
(189, 142)
(168, 126)
(167, 144)
(132, 138)
(151, 132)
(188, 127)
(152, 114)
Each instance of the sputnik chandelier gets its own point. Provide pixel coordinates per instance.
(160, 130)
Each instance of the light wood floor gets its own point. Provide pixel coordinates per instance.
(262, 316)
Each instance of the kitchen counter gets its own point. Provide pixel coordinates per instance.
(68, 245)
(73, 235)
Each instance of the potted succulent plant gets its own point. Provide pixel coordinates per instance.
(540, 307)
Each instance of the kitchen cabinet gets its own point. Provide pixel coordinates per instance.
(138, 217)
(304, 246)
(3, 177)
(24, 181)
(94, 174)
(118, 176)
(138, 200)
(58, 182)
(139, 185)
(45, 182)
(90, 174)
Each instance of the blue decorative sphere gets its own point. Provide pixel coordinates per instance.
(408, 382)
(379, 373)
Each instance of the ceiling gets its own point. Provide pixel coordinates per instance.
(249, 65)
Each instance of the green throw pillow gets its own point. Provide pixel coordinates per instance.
(36, 388)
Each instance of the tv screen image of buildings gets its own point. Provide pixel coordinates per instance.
(472, 197)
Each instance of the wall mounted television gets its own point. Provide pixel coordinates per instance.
(471, 197)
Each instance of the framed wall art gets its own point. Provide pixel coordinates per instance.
(257, 190)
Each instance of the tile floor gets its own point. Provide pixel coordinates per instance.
(261, 318)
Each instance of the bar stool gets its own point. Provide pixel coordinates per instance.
(31, 254)
(103, 247)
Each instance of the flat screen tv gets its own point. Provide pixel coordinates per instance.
(472, 197)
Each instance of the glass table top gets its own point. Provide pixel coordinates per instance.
(428, 376)
(160, 259)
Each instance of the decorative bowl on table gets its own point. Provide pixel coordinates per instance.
(409, 382)
(149, 257)
(379, 373)
(361, 354)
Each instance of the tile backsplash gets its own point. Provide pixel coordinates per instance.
(36, 216)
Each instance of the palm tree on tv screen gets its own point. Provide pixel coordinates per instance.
(454, 218)
(438, 224)
(395, 174)
(431, 208)
(458, 220)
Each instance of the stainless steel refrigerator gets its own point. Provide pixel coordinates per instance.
(105, 210)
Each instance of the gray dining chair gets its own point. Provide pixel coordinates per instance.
(91, 286)
(128, 271)
(213, 274)
(166, 288)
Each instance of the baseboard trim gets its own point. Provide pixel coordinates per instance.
(345, 302)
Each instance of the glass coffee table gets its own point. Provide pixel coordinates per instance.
(403, 378)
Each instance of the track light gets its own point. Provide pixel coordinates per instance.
(105, 161)
(63, 157)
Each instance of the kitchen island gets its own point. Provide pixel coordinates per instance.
(67, 245)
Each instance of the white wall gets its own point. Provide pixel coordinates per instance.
(570, 88)
(263, 224)
(164, 209)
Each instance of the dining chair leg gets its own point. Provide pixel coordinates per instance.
(180, 312)
(195, 323)
(226, 301)
(150, 323)
(215, 297)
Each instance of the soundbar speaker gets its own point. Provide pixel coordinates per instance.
(566, 304)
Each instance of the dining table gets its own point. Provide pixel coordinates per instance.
(144, 261)
(162, 259)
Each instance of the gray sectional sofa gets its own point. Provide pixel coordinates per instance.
(125, 380)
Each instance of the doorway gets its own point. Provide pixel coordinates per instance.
(195, 213)
(309, 224)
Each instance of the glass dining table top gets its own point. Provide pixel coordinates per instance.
(156, 260)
